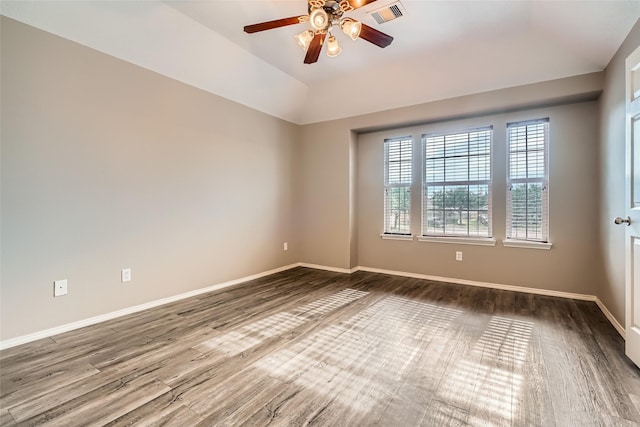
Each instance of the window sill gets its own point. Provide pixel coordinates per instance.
(477, 241)
(386, 236)
(509, 243)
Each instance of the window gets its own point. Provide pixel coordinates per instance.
(457, 187)
(527, 181)
(397, 185)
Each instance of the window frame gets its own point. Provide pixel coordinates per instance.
(541, 242)
(487, 153)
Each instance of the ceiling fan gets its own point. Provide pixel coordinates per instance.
(322, 15)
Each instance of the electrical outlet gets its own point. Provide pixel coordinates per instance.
(458, 255)
(286, 246)
(59, 288)
(125, 276)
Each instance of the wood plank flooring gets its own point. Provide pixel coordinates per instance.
(309, 347)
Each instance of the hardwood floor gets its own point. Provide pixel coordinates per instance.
(308, 347)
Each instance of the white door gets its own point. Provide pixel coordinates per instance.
(632, 220)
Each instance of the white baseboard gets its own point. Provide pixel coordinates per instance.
(130, 310)
(499, 286)
(326, 268)
(611, 319)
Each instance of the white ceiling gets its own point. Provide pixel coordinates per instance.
(441, 49)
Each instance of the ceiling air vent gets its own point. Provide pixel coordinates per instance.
(388, 13)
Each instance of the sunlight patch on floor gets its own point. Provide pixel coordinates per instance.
(329, 303)
(359, 361)
(491, 374)
(235, 342)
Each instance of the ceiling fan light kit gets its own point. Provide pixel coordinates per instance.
(322, 15)
(351, 27)
(319, 19)
(304, 39)
(333, 47)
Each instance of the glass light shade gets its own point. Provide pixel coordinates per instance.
(333, 48)
(351, 28)
(319, 19)
(304, 39)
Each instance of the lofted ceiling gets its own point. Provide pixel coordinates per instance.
(441, 49)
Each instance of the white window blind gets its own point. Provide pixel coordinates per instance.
(528, 181)
(397, 185)
(457, 188)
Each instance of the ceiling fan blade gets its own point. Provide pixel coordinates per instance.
(374, 36)
(313, 52)
(359, 3)
(269, 25)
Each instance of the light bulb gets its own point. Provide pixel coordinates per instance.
(351, 27)
(304, 39)
(333, 47)
(319, 19)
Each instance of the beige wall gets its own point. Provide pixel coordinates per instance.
(323, 199)
(572, 264)
(106, 165)
(612, 165)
